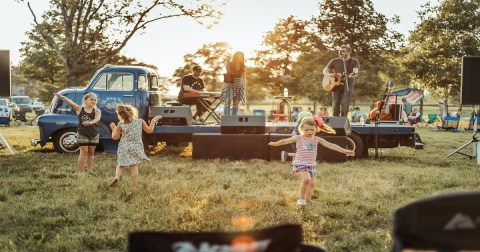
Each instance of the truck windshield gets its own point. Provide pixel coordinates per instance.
(114, 82)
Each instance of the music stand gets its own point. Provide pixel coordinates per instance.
(474, 141)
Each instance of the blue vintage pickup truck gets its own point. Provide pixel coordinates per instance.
(113, 85)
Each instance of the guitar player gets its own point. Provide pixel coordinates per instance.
(342, 93)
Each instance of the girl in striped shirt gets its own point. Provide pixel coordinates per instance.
(306, 154)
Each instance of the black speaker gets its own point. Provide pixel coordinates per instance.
(340, 124)
(323, 154)
(248, 124)
(470, 89)
(178, 115)
(5, 85)
(230, 146)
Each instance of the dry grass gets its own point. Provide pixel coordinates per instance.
(45, 206)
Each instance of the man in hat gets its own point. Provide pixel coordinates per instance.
(442, 113)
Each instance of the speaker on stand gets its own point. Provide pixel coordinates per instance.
(470, 89)
(5, 81)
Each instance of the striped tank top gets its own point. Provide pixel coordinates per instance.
(306, 151)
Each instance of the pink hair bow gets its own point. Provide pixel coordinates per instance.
(319, 121)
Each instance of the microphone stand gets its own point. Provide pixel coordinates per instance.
(345, 89)
(377, 123)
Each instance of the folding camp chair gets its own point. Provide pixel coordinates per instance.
(284, 238)
(20, 119)
(450, 123)
(432, 118)
(448, 222)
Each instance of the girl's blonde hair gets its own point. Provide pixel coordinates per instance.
(320, 126)
(306, 121)
(88, 95)
(127, 113)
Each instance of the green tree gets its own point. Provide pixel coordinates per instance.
(275, 60)
(41, 66)
(213, 58)
(87, 34)
(445, 33)
(357, 24)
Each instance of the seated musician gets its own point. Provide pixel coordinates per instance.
(193, 83)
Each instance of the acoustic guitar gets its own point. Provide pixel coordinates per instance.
(330, 82)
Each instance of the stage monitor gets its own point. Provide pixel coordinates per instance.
(246, 124)
(173, 115)
(470, 84)
(5, 87)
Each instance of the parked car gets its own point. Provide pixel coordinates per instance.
(23, 102)
(5, 112)
(38, 105)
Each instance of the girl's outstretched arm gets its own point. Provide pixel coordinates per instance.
(285, 141)
(116, 131)
(70, 103)
(335, 147)
(149, 128)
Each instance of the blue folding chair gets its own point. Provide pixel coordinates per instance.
(451, 123)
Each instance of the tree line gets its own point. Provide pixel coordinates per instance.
(76, 37)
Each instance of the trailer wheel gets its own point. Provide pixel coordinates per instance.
(65, 141)
(359, 145)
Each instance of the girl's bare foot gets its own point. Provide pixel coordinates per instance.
(114, 182)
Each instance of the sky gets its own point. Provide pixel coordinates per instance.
(165, 43)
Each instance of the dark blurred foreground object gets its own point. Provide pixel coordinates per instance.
(285, 238)
(449, 222)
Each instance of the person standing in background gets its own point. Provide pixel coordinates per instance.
(349, 67)
(233, 90)
(407, 106)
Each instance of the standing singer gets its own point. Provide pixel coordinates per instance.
(348, 66)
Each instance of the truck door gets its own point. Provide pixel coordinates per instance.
(113, 88)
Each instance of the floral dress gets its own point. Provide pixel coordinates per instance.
(130, 149)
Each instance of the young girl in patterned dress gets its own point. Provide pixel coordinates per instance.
(130, 149)
(306, 155)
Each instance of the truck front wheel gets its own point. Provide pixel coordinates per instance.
(65, 141)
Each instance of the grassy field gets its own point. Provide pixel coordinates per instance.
(46, 206)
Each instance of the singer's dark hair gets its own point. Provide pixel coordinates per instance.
(346, 47)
